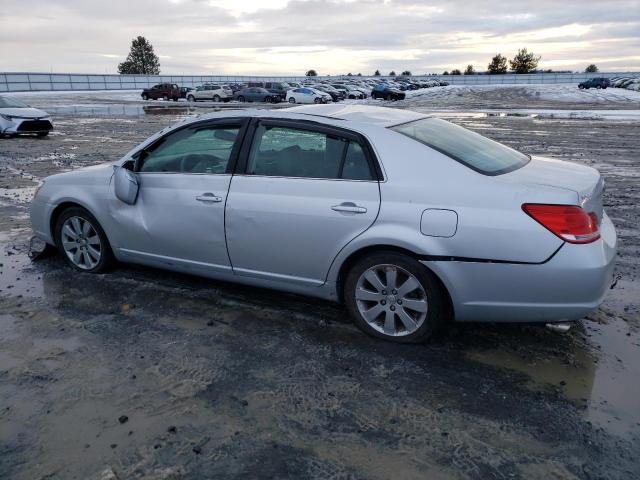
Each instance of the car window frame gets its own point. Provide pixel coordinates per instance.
(311, 126)
(242, 122)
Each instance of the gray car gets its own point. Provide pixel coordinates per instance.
(409, 220)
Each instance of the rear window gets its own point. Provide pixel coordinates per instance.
(467, 147)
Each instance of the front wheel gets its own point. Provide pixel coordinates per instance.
(191, 98)
(241, 99)
(145, 96)
(81, 239)
(392, 296)
(216, 98)
(317, 100)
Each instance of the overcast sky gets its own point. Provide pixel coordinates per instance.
(331, 36)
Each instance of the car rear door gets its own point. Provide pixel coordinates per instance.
(301, 193)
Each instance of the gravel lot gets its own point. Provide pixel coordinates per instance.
(144, 374)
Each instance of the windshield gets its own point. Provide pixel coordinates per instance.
(467, 147)
(9, 102)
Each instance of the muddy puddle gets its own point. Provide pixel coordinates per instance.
(606, 389)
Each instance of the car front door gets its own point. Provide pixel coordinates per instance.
(178, 217)
(300, 195)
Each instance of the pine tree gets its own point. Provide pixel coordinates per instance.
(141, 59)
(498, 64)
(524, 61)
(392, 73)
(376, 73)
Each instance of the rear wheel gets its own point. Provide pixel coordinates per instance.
(292, 100)
(216, 98)
(392, 296)
(145, 96)
(191, 98)
(241, 99)
(82, 241)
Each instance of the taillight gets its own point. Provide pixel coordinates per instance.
(569, 222)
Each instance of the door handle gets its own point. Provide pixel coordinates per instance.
(209, 197)
(349, 207)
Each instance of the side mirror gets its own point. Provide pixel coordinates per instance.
(126, 185)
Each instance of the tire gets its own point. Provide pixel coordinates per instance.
(428, 300)
(191, 98)
(216, 98)
(292, 100)
(87, 261)
(598, 87)
(317, 100)
(42, 134)
(145, 96)
(268, 99)
(165, 98)
(241, 99)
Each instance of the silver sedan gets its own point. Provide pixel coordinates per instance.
(409, 220)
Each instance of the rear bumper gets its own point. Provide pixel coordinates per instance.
(566, 287)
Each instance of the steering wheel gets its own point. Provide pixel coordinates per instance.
(190, 162)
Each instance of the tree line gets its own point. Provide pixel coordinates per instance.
(143, 60)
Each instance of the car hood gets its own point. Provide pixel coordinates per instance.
(83, 175)
(585, 181)
(28, 112)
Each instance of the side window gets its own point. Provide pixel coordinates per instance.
(192, 150)
(289, 152)
(356, 166)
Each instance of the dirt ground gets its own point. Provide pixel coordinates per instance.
(146, 374)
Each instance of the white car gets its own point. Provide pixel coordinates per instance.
(216, 93)
(409, 220)
(307, 95)
(17, 118)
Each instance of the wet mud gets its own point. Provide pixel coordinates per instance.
(145, 374)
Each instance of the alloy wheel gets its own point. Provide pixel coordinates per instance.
(391, 300)
(81, 243)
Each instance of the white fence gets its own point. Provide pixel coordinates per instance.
(31, 82)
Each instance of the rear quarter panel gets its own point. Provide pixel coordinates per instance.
(491, 223)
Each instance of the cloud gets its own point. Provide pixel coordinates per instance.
(332, 36)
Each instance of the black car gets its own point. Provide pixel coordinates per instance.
(256, 94)
(279, 88)
(595, 83)
(184, 91)
(386, 92)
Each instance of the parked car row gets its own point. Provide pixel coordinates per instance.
(630, 83)
(309, 91)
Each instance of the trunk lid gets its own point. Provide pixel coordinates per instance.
(585, 181)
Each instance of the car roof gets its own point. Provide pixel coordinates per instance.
(333, 114)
